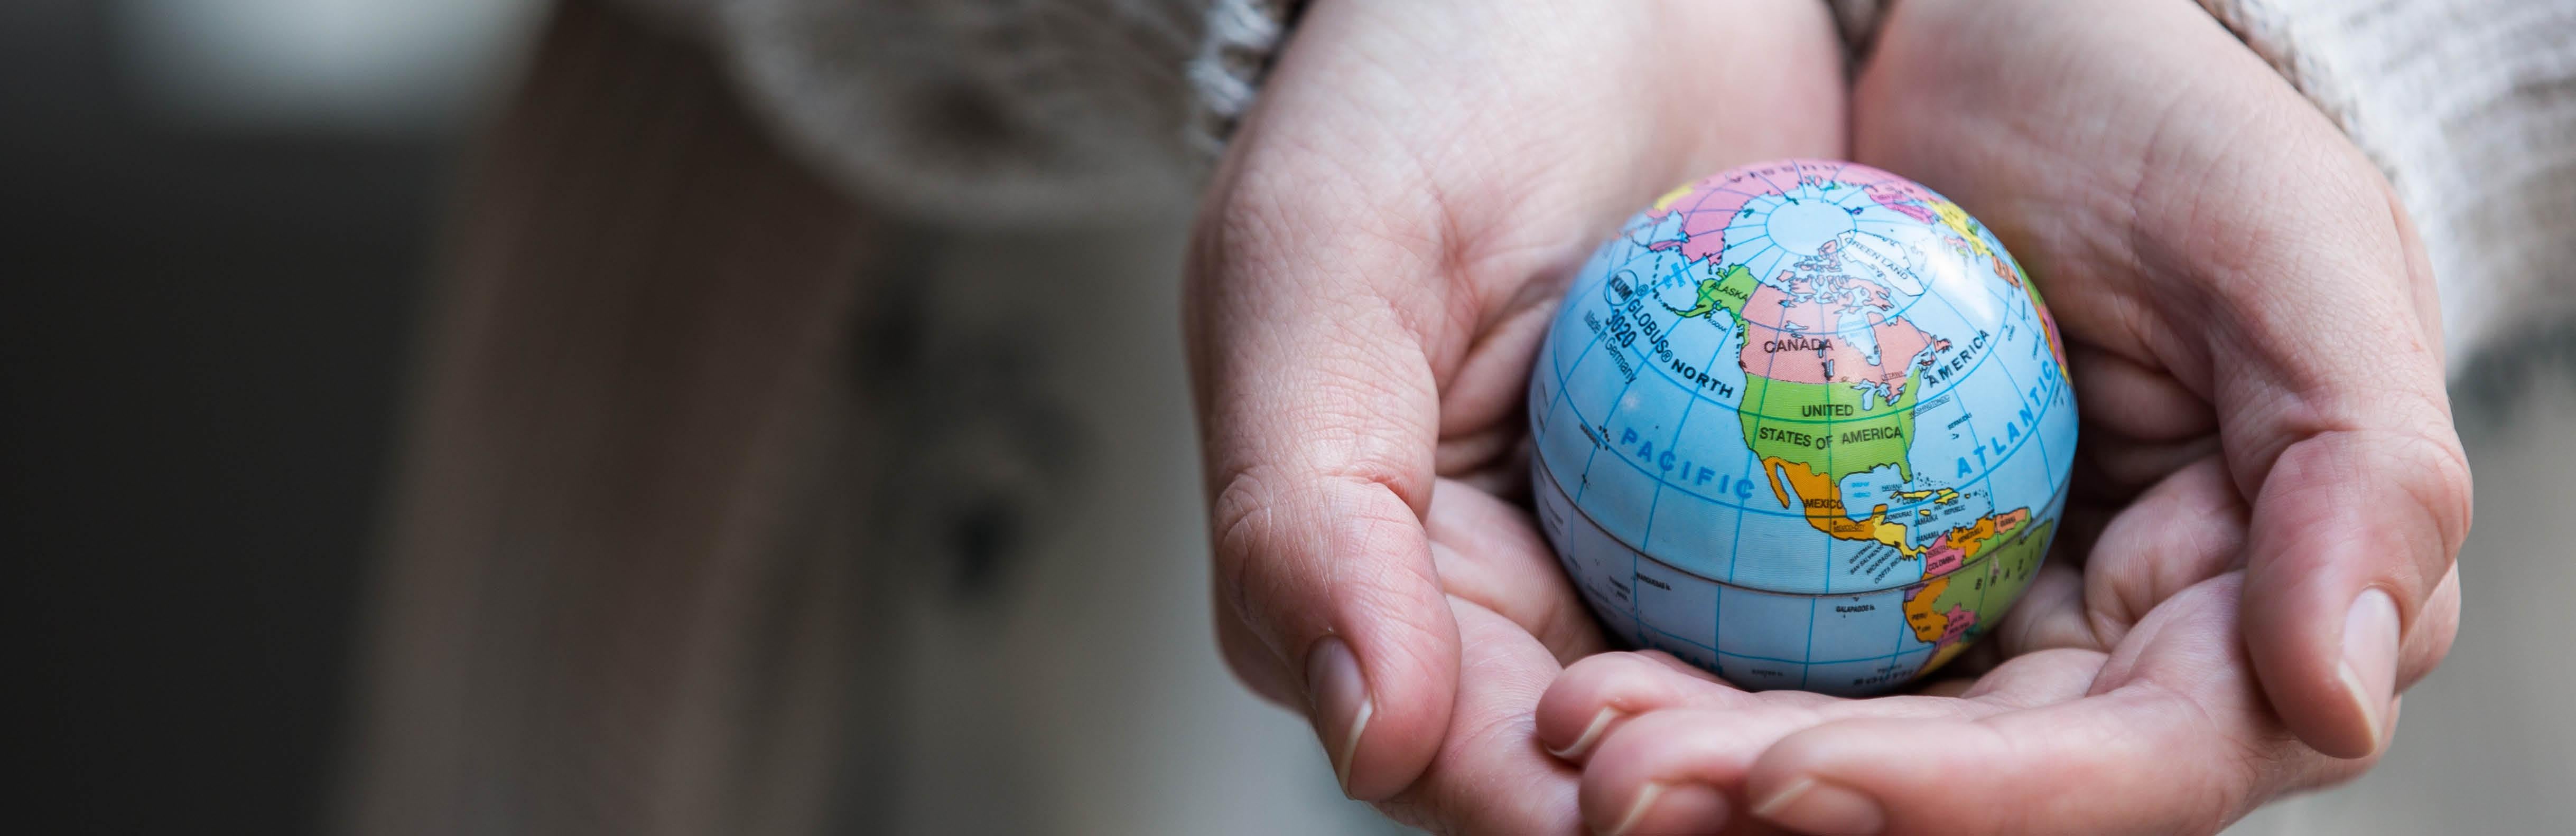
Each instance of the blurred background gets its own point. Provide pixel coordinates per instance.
(216, 218)
(220, 221)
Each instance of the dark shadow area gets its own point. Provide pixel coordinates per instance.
(202, 345)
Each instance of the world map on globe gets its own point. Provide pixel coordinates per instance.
(1804, 424)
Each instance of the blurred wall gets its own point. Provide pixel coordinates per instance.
(204, 317)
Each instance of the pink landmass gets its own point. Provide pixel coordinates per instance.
(1943, 557)
(1899, 342)
(1961, 618)
(2046, 320)
(1787, 329)
(1812, 353)
(1710, 205)
(1891, 191)
(1892, 199)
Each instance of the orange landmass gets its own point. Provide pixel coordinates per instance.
(1824, 507)
(1929, 624)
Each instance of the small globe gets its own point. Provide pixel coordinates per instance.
(1805, 424)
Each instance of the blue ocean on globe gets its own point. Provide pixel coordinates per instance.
(1805, 424)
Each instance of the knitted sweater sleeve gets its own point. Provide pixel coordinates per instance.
(2468, 106)
(946, 108)
(1055, 106)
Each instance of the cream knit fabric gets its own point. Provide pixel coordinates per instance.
(1049, 106)
(2470, 108)
(1032, 107)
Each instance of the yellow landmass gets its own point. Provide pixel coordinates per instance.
(1825, 511)
(1944, 496)
(1666, 202)
(1957, 220)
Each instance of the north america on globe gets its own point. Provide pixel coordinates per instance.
(1805, 424)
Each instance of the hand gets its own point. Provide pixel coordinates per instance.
(1380, 255)
(2270, 494)
(2124, 703)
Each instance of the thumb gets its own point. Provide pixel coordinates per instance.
(1319, 418)
(2340, 433)
(2353, 531)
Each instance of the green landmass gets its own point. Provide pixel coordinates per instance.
(1728, 292)
(2009, 563)
(1826, 427)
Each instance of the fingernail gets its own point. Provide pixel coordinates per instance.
(1814, 807)
(2369, 670)
(1673, 808)
(1591, 735)
(1339, 702)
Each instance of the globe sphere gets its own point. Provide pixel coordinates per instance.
(1804, 424)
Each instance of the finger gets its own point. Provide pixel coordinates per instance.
(1319, 413)
(2119, 395)
(1599, 692)
(2140, 424)
(2321, 353)
(1488, 553)
(1681, 769)
(1251, 661)
(2165, 746)
(1597, 695)
(2353, 532)
(2188, 528)
(2051, 614)
(2065, 769)
(2430, 640)
(1490, 776)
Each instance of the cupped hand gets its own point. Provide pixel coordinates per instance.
(2123, 702)
(1377, 261)
(2269, 499)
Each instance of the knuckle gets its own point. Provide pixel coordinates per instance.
(2436, 476)
(1239, 520)
(1282, 546)
(2453, 489)
(2436, 627)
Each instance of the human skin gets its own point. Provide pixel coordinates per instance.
(2265, 431)
(1378, 258)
